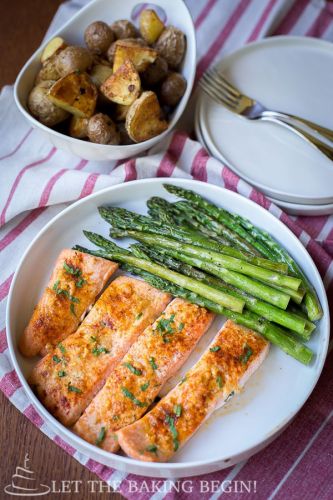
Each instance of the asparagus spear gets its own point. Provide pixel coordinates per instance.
(219, 214)
(271, 332)
(312, 304)
(272, 313)
(225, 261)
(118, 254)
(121, 218)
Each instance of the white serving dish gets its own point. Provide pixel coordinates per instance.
(72, 32)
(252, 419)
(285, 73)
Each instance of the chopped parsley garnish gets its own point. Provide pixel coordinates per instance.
(177, 409)
(138, 316)
(132, 369)
(99, 350)
(153, 364)
(72, 309)
(72, 388)
(93, 338)
(74, 271)
(61, 374)
(101, 436)
(80, 282)
(219, 381)
(171, 423)
(164, 327)
(131, 396)
(144, 387)
(56, 359)
(62, 291)
(215, 348)
(152, 448)
(61, 348)
(115, 417)
(181, 327)
(183, 380)
(246, 354)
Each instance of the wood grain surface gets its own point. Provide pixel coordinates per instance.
(22, 27)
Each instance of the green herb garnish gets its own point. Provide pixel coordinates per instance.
(56, 359)
(138, 316)
(132, 369)
(61, 373)
(131, 396)
(152, 448)
(181, 327)
(115, 417)
(72, 388)
(93, 338)
(101, 436)
(219, 381)
(61, 348)
(153, 364)
(80, 282)
(72, 309)
(163, 326)
(74, 271)
(177, 409)
(215, 348)
(144, 387)
(99, 350)
(171, 423)
(246, 355)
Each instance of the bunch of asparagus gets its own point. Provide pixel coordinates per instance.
(218, 260)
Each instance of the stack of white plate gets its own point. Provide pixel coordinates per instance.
(290, 74)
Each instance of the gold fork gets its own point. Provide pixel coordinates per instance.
(221, 90)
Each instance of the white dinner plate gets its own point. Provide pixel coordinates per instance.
(253, 418)
(290, 74)
(290, 208)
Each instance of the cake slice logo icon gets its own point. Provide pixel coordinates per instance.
(25, 484)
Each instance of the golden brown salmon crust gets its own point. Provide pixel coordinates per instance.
(68, 378)
(136, 381)
(75, 282)
(231, 358)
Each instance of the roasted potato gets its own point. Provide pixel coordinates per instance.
(155, 72)
(73, 59)
(125, 139)
(112, 49)
(124, 29)
(75, 93)
(99, 73)
(42, 108)
(123, 86)
(172, 89)
(78, 127)
(143, 120)
(98, 37)
(54, 46)
(141, 57)
(171, 45)
(102, 130)
(48, 71)
(151, 25)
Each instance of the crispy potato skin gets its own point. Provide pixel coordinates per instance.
(76, 94)
(52, 319)
(72, 59)
(90, 354)
(143, 119)
(102, 130)
(98, 37)
(219, 371)
(54, 46)
(171, 45)
(157, 361)
(172, 89)
(124, 29)
(42, 108)
(123, 86)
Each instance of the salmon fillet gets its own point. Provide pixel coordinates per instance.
(134, 384)
(226, 365)
(67, 379)
(76, 280)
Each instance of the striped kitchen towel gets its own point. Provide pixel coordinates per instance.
(37, 181)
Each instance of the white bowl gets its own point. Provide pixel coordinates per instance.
(72, 32)
(252, 419)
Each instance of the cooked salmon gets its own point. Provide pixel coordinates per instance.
(136, 381)
(68, 378)
(226, 365)
(76, 281)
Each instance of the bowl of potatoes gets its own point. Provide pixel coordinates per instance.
(114, 80)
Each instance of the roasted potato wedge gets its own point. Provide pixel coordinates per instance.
(42, 108)
(52, 48)
(99, 74)
(78, 127)
(124, 85)
(143, 120)
(141, 57)
(151, 25)
(75, 93)
(48, 71)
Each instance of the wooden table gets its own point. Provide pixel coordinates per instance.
(22, 27)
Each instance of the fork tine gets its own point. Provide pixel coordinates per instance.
(226, 84)
(221, 91)
(220, 87)
(208, 89)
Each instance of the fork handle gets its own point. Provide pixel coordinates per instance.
(300, 127)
